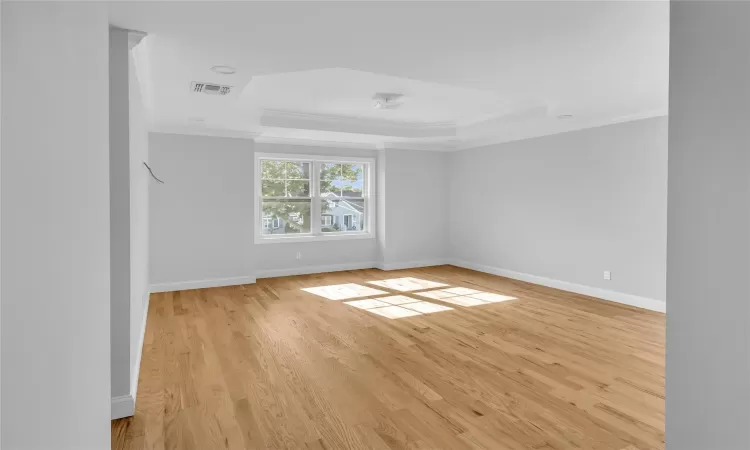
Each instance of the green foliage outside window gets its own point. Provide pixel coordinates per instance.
(289, 182)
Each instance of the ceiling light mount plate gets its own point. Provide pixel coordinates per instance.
(224, 70)
(387, 100)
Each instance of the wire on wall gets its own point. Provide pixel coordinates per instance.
(152, 173)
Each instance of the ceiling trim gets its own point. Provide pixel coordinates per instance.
(135, 37)
(314, 143)
(211, 132)
(494, 140)
(449, 146)
(358, 125)
(452, 145)
(355, 120)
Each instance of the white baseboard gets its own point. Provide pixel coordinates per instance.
(604, 294)
(201, 284)
(413, 264)
(306, 270)
(139, 355)
(123, 406)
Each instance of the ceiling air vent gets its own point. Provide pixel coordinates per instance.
(209, 88)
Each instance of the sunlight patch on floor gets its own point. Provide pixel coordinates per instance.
(398, 306)
(465, 296)
(398, 299)
(394, 312)
(407, 284)
(343, 291)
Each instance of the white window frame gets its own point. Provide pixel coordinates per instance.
(327, 216)
(315, 211)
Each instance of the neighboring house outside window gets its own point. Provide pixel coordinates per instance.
(349, 221)
(293, 189)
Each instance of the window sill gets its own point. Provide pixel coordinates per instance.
(315, 238)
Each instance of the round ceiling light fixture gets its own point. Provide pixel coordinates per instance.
(565, 116)
(224, 70)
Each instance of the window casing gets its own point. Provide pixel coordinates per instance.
(311, 197)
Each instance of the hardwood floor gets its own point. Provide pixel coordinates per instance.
(271, 366)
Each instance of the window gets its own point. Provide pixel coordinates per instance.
(270, 223)
(349, 222)
(292, 190)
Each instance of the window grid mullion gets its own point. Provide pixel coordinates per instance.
(315, 193)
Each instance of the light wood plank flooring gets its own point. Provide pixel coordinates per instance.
(272, 366)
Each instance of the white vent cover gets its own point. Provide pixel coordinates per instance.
(209, 88)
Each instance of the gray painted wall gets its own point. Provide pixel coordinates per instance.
(416, 186)
(140, 184)
(55, 227)
(568, 206)
(129, 184)
(708, 287)
(202, 216)
(119, 211)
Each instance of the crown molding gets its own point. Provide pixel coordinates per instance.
(449, 144)
(135, 38)
(468, 144)
(356, 125)
(208, 132)
(433, 146)
(355, 120)
(315, 143)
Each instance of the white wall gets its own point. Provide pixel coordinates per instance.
(565, 207)
(129, 183)
(140, 182)
(119, 188)
(416, 211)
(55, 226)
(568, 207)
(1, 78)
(708, 279)
(201, 218)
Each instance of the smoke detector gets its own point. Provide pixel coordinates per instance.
(209, 88)
(387, 100)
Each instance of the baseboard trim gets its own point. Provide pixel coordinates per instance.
(307, 270)
(123, 406)
(200, 284)
(604, 294)
(137, 369)
(303, 270)
(413, 264)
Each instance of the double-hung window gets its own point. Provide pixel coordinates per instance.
(306, 197)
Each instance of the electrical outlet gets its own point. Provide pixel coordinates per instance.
(607, 275)
(299, 255)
